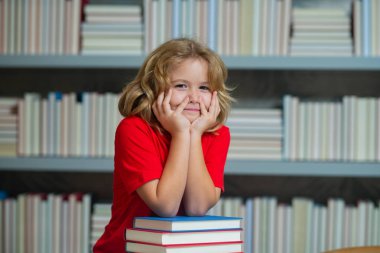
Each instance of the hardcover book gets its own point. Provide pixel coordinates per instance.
(188, 223)
(170, 238)
(185, 248)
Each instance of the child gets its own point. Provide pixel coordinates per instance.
(171, 147)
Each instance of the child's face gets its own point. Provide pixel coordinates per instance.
(190, 79)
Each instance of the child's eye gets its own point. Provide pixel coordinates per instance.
(180, 85)
(204, 87)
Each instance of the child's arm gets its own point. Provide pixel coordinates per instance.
(200, 193)
(164, 196)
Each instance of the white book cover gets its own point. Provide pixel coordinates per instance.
(256, 19)
(51, 129)
(248, 225)
(68, 32)
(370, 212)
(72, 124)
(21, 218)
(21, 127)
(10, 225)
(100, 126)
(79, 129)
(44, 127)
(64, 226)
(94, 98)
(376, 226)
(319, 125)
(112, 9)
(371, 128)
(256, 223)
(289, 228)
(321, 12)
(280, 231)
(43, 226)
(26, 30)
(3, 25)
(36, 234)
(302, 126)
(161, 27)
(227, 28)
(271, 26)
(294, 130)
(347, 225)
(60, 27)
(362, 133)
(19, 26)
(12, 27)
(221, 27)
(45, 27)
(338, 118)
(286, 26)
(85, 226)
(357, 27)
(272, 240)
(278, 28)
(85, 124)
(314, 247)
(148, 21)
(58, 124)
(155, 26)
(246, 27)
(361, 225)
(235, 28)
(355, 226)
(36, 126)
(53, 31)
(176, 18)
(322, 233)
(301, 223)
(65, 126)
(263, 50)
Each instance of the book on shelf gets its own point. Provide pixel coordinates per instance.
(188, 223)
(170, 238)
(185, 248)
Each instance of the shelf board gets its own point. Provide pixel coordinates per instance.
(233, 167)
(232, 62)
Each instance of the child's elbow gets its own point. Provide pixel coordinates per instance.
(165, 211)
(196, 211)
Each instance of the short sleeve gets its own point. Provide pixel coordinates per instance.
(215, 153)
(137, 159)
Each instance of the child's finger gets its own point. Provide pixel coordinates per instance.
(158, 103)
(203, 107)
(166, 101)
(213, 103)
(182, 105)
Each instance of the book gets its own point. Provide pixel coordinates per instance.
(188, 223)
(185, 248)
(171, 238)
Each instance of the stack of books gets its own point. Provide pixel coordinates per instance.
(112, 28)
(8, 126)
(321, 32)
(185, 234)
(255, 134)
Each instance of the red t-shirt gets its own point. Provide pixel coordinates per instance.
(140, 156)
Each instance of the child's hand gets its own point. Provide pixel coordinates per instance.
(207, 120)
(171, 120)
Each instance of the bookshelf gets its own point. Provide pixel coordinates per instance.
(233, 167)
(232, 62)
(261, 80)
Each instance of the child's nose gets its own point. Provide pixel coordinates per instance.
(194, 96)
